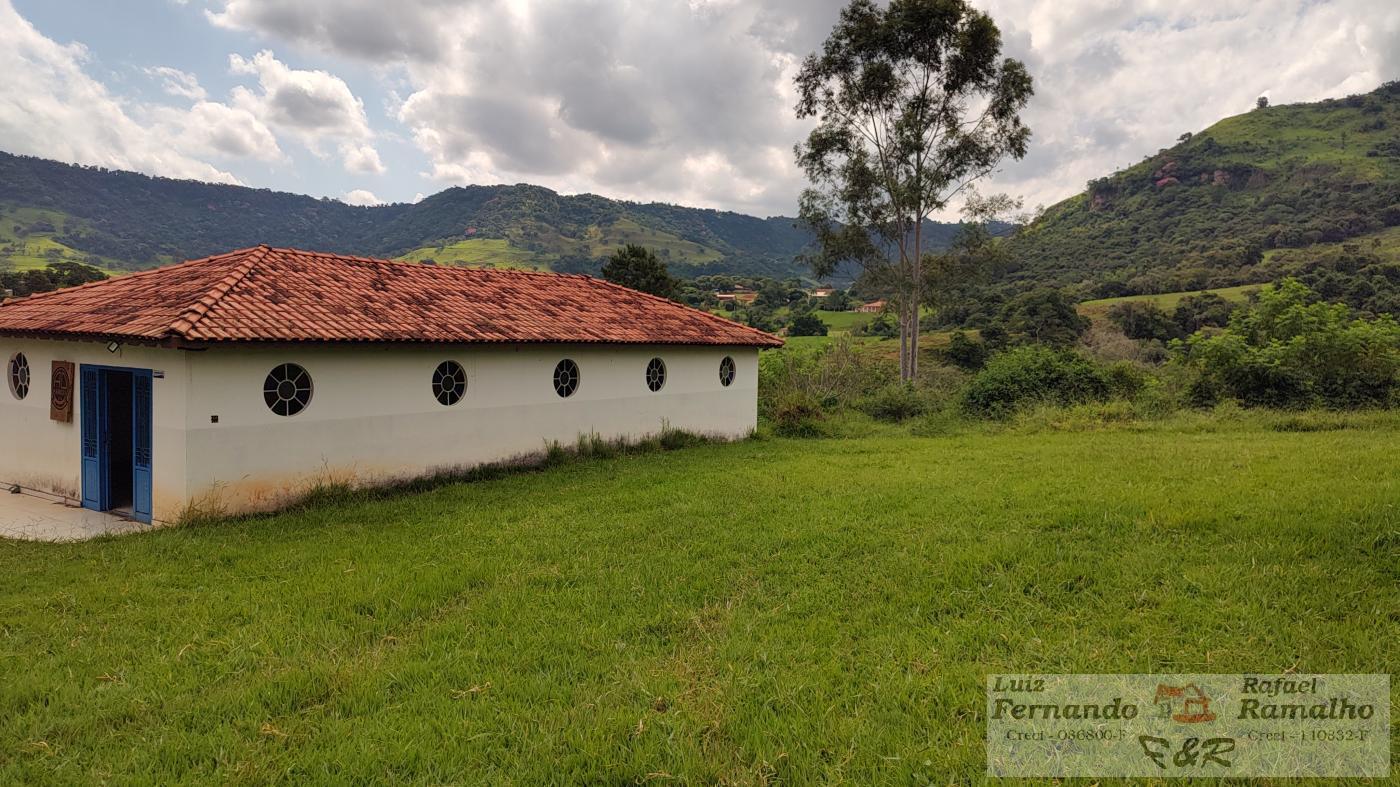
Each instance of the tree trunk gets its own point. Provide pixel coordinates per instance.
(903, 342)
(909, 324)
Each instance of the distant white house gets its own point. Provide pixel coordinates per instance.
(236, 382)
(874, 307)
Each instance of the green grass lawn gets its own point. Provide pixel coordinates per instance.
(766, 611)
(842, 322)
(1166, 300)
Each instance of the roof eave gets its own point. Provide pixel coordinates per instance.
(182, 343)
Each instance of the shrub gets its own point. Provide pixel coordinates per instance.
(1044, 316)
(797, 415)
(1124, 379)
(995, 337)
(1142, 320)
(1033, 374)
(828, 377)
(807, 324)
(895, 402)
(1195, 312)
(965, 353)
(883, 326)
(1286, 350)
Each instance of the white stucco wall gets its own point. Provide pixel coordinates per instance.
(38, 453)
(373, 416)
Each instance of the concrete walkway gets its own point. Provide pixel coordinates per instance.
(36, 519)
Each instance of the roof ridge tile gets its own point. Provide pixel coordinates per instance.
(132, 275)
(199, 309)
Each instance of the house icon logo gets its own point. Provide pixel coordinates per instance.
(1186, 704)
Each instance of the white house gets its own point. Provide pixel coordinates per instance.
(236, 382)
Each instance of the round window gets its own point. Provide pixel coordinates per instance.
(449, 383)
(287, 389)
(656, 374)
(726, 371)
(566, 378)
(18, 374)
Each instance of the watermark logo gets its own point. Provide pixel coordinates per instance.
(1188, 725)
(1186, 704)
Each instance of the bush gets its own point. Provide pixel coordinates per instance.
(883, 326)
(1044, 316)
(965, 353)
(1195, 312)
(797, 415)
(807, 324)
(1287, 351)
(828, 377)
(1034, 374)
(1124, 379)
(896, 402)
(1143, 320)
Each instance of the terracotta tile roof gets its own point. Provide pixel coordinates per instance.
(264, 294)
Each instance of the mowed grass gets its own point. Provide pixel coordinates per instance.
(773, 610)
(841, 322)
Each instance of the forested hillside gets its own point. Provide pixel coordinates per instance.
(124, 220)
(1306, 189)
(1215, 209)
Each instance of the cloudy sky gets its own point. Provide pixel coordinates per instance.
(651, 100)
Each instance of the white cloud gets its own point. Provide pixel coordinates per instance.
(643, 100)
(361, 197)
(686, 101)
(1117, 83)
(315, 107)
(211, 128)
(691, 100)
(362, 159)
(370, 29)
(50, 107)
(178, 83)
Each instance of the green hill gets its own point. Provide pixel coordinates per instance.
(1311, 190)
(125, 221)
(1251, 198)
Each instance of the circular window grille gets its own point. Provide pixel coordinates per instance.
(287, 389)
(18, 374)
(656, 374)
(566, 378)
(726, 371)
(449, 383)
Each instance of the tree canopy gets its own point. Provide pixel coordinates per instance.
(913, 103)
(639, 268)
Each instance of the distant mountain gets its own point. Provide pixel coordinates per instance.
(124, 220)
(1254, 197)
(1305, 189)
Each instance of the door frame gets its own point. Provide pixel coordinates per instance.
(94, 445)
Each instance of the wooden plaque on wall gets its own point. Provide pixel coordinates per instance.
(61, 392)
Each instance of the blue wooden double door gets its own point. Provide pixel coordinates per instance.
(115, 408)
